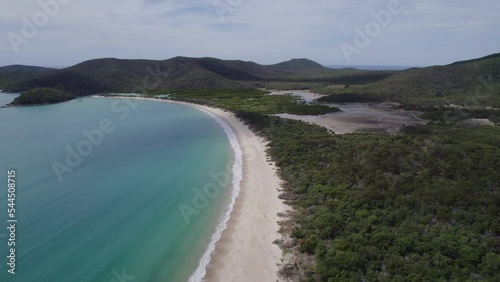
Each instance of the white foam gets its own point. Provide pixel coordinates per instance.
(237, 170)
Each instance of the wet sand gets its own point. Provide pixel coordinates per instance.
(356, 117)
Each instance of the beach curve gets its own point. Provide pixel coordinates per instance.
(242, 247)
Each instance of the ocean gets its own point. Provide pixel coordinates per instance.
(113, 190)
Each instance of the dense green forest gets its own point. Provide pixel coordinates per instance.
(418, 206)
(42, 96)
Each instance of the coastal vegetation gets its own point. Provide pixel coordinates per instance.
(254, 100)
(453, 115)
(42, 96)
(418, 206)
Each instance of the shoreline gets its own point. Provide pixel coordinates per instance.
(244, 251)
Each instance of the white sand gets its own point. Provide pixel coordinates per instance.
(246, 251)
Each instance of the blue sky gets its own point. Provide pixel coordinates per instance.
(419, 33)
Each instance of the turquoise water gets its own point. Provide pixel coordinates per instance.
(116, 217)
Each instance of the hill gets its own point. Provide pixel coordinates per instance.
(182, 73)
(15, 73)
(298, 66)
(473, 83)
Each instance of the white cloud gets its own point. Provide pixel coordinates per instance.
(267, 31)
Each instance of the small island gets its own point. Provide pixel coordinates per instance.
(40, 96)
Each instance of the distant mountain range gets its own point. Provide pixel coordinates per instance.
(473, 82)
(179, 73)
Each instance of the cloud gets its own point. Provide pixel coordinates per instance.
(427, 32)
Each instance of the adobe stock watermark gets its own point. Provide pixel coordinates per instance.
(483, 91)
(225, 7)
(152, 80)
(363, 37)
(218, 182)
(485, 84)
(31, 26)
(121, 276)
(94, 137)
(202, 196)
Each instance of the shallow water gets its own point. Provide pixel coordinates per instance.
(117, 214)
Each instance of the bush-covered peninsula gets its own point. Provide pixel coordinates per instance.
(39, 96)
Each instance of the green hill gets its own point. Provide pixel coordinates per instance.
(13, 74)
(473, 83)
(298, 66)
(182, 73)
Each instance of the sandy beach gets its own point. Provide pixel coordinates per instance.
(246, 251)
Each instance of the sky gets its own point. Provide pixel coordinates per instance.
(331, 32)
